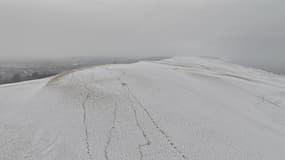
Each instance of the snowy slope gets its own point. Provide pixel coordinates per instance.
(174, 109)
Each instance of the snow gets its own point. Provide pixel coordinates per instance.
(174, 109)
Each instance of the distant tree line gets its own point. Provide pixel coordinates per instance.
(18, 77)
(42, 69)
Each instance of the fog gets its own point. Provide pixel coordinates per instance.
(250, 32)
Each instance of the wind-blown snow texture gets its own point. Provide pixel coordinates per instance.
(174, 109)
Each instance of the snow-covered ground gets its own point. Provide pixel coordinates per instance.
(174, 109)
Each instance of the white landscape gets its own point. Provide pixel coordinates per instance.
(174, 109)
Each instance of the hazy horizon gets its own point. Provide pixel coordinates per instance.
(248, 32)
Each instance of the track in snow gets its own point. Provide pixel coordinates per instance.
(176, 109)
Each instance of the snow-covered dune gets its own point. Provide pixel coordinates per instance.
(174, 109)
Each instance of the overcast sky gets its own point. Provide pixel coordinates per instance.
(249, 31)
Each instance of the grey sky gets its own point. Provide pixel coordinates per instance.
(249, 31)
